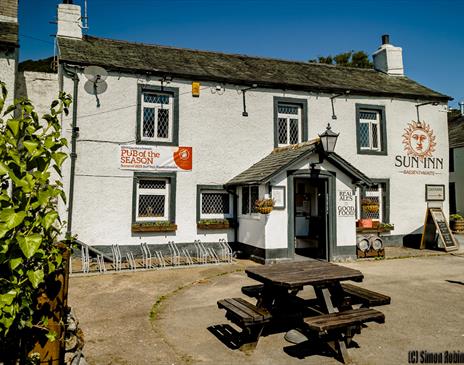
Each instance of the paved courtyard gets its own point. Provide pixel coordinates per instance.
(162, 317)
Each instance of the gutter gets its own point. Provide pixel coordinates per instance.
(72, 73)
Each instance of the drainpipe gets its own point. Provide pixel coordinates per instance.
(235, 198)
(72, 73)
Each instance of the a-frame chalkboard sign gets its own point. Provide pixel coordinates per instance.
(435, 221)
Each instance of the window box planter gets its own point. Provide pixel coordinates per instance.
(215, 224)
(378, 228)
(154, 227)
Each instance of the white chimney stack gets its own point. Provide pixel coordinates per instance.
(69, 20)
(388, 58)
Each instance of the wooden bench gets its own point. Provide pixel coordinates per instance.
(338, 328)
(253, 291)
(367, 298)
(341, 320)
(248, 317)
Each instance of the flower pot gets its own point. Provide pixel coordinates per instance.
(365, 223)
(457, 225)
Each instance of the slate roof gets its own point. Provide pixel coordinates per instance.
(282, 158)
(9, 34)
(238, 69)
(456, 131)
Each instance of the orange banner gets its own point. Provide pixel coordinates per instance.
(155, 158)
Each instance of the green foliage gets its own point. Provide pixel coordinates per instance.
(456, 217)
(357, 59)
(29, 221)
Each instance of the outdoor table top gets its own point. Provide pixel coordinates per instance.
(293, 275)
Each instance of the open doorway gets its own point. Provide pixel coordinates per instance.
(310, 212)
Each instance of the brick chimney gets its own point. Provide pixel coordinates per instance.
(388, 58)
(69, 20)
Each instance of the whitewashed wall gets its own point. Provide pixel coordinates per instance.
(40, 87)
(224, 144)
(8, 65)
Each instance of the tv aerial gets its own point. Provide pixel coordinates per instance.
(96, 83)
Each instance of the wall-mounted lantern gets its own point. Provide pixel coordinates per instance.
(328, 140)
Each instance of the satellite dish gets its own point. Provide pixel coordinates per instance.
(95, 88)
(95, 73)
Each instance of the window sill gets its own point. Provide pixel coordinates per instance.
(153, 227)
(207, 224)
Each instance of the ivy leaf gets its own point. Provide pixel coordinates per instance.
(3, 168)
(49, 219)
(31, 146)
(7, 298)
(59, 158)
(35, 277)
(11, 218)
(3, 230)
(30, 244)
(9, 109)
(52, 336)
(13, 124)
(14, 263)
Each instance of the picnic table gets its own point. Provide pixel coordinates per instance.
(332, 318)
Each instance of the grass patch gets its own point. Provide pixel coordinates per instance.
(155, 309)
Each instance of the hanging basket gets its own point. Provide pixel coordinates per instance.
(264, 210)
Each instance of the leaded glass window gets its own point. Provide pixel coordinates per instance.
(250, 194)
(157, 117)
(369, 130)
(288, 124)
(216, 204)
(152, 199)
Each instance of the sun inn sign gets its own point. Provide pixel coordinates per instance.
(419, 143)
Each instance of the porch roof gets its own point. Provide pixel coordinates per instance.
(8, 34)
(282, 158)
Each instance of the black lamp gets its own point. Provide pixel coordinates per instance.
(328, 140)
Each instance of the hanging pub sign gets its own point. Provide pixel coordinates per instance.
(419, 141)
(435, 221)
(155, 158)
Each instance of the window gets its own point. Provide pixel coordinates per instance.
(250, 194)
(214, 202)
(290, 121)
(374, 196)
(154, 197)
(371, 130)
(157, 115)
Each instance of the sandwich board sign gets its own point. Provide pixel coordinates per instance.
(435, 221)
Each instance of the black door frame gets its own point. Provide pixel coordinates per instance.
(331, 223)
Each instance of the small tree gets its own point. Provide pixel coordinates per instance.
(29, 221)
(357, 59)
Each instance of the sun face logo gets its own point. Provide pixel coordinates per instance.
(419, 140)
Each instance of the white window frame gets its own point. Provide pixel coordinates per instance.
(288, 117)
(377, 194)
(224, 215)
(157, 107)
(142, 191)
(371, 123)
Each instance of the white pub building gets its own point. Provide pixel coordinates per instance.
(178, 145)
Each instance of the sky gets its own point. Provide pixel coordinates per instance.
(429, 31)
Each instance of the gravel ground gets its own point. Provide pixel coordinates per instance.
(162, 317)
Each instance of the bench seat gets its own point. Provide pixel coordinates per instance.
(253, 291)
(340, 320)
(367, 298)
(243, 313)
